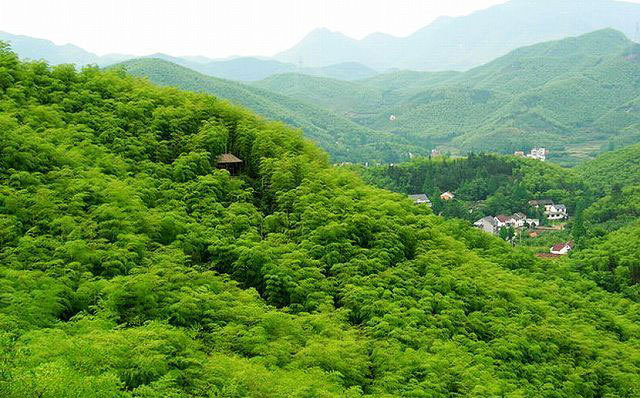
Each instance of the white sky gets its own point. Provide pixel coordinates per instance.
(216, 28)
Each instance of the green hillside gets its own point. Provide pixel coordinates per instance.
(335, 95)
(620, 167)
(131, 267)
(342, 138)
(572, 96)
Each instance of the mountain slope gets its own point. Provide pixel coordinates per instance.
(336, 95)
(464, 42)
(131, 267)
(620, 167)
(571, 95)
(343, 139)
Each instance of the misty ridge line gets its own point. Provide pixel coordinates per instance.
(448, 43)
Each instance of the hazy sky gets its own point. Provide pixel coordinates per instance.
(216, 28)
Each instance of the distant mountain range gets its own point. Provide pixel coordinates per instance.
(40, 49)
(448, 43)
(572, 95)
(464, 42)
(238, 68)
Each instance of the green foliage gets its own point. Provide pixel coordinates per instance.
(618, 168)
(131, 267)
(614, 261)
(613, 211)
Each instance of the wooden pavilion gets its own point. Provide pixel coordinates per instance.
(229, 162)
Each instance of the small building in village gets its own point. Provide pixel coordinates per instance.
(544, 203)
(421, 199)
(487, 224)
(561, 249)
(519, 220)
(503, 221)
(532, 222)
(447, 196)
(557, 212)
(229, 162)
(538, 154)
(495, 224)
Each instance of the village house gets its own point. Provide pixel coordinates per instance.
(495, 224)
(561, 249)
(503, 221)
(447, 196)
(546, 203)
(487, 224)
(557, 212)
(532, 222)
(421, 199)
(538, 154)
(519, 220)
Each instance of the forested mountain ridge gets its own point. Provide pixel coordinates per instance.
(343, 139)
(620, 167)
(130, 267)
(572, 96)
(461, 43)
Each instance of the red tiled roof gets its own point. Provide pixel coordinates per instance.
(557, 248)
(503, 218)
